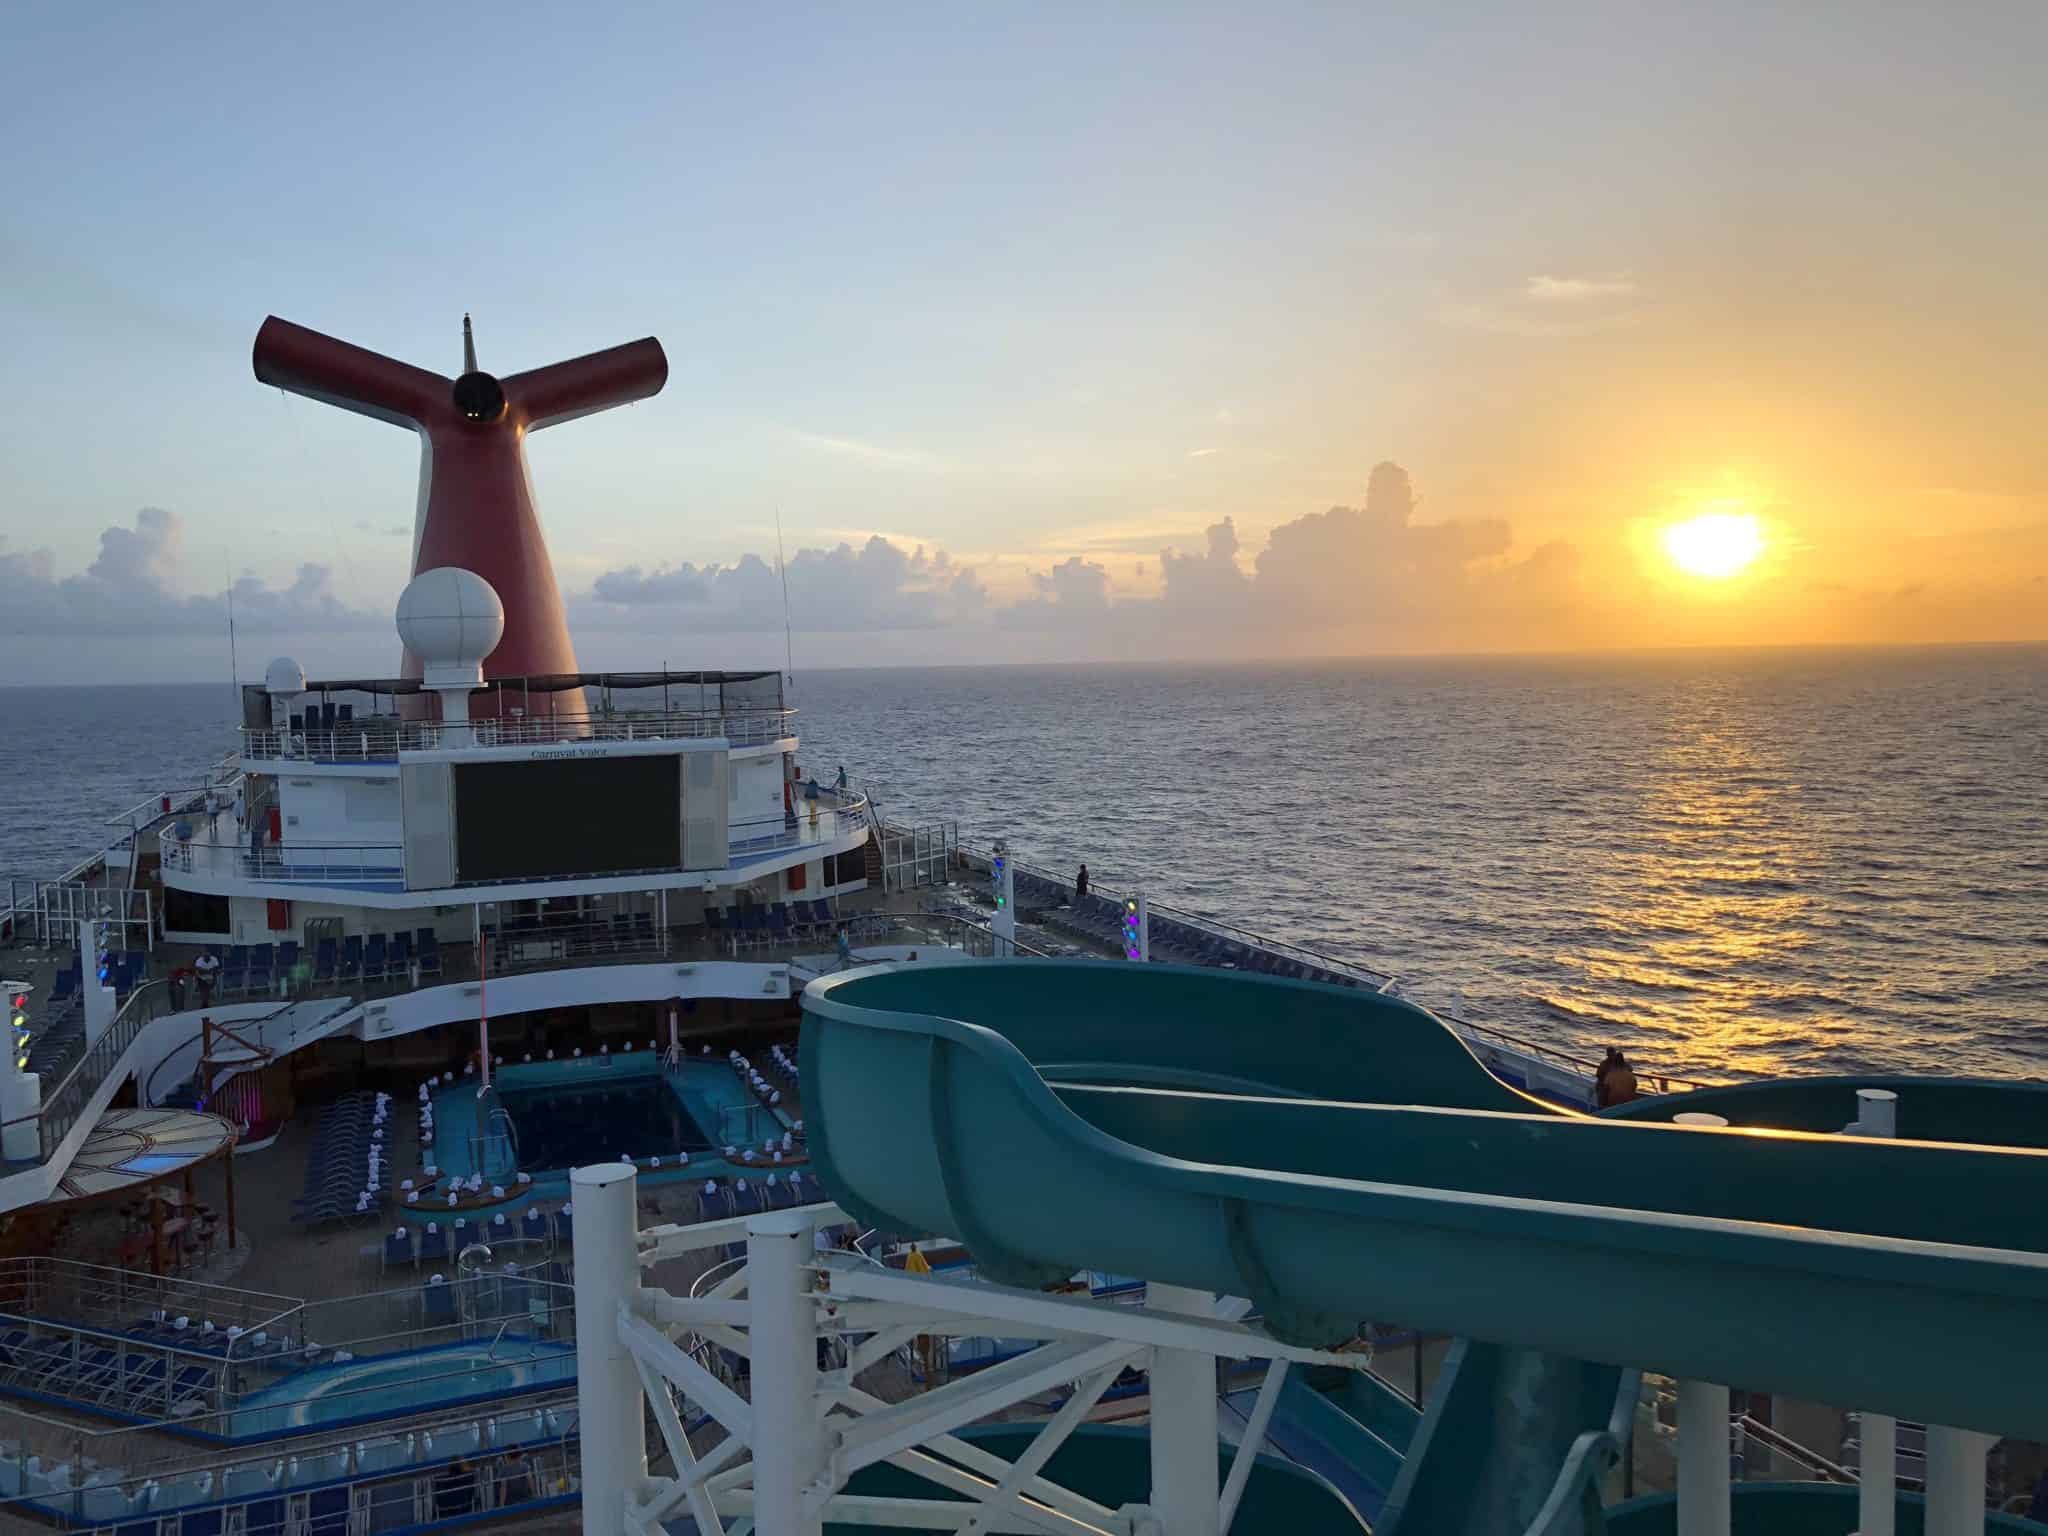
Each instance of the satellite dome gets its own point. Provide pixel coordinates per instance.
(451, 619)
(284, 676)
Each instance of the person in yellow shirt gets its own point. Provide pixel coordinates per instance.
(925, 1350)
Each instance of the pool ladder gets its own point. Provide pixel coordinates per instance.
(498, 1130)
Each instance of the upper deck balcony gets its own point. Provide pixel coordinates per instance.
(381, 738)
(374, 720)
(217, 853)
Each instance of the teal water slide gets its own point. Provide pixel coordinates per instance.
(1337, 1156)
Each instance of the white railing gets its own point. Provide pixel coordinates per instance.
(286, 863)
(380, 738)
(828, 818)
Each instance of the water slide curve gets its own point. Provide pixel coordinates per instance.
(1338, 1156)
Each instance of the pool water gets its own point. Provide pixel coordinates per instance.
(375, 1388)
(566, 1126)
(598, 1109)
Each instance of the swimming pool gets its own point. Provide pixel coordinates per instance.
(568, 1114)
(391, 1384)
(571, 1125)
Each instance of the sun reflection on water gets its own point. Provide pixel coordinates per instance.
(1706, 894)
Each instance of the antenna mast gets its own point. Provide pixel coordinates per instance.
(234, 670)
(788, 639)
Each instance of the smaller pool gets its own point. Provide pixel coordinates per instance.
(391, 1384)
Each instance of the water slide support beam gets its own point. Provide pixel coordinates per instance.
(789, 1447)
(1955, 1481)
(608, 1396)
(1877, 1474)
(1704, 1507)
(1185, 1498)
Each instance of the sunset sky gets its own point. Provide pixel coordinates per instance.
(1066, 333)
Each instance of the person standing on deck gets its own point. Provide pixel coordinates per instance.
(1081, 886)
(1615, 1082)
(207, 969)
(840, 782)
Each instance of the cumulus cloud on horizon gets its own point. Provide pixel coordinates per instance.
(132, 588)
(879, 586)
(1347, 575)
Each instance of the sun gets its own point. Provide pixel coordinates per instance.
(1714, 545)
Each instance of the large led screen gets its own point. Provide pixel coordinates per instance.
(538, 820)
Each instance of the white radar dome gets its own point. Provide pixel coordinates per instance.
(284, 676)
(451, 619)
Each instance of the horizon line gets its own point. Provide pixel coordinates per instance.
(1724, 648)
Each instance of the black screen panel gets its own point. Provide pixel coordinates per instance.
(574, 816)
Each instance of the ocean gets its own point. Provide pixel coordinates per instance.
(1729, 864)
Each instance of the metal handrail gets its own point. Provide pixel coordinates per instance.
(61, 1106)
(98, 1444)
(383, 737)
(1379, 980)
(1779, 1443)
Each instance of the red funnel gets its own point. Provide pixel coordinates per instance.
(476, 503)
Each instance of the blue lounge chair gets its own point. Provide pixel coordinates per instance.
(440, 1305)
(324, 961)
(434, 1245)
(398, 1249)
(375, 961)
(430, 952)
(352, 957)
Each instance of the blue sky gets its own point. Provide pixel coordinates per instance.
(1052, 285)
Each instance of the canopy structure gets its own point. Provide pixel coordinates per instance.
(130, 1148)
(130, 1151)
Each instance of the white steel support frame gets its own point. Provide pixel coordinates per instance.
(791, 1448)
(1877, 1462)
(1704, 1504)
(608, 1388)
(1185, 1496)
(1955, 1481)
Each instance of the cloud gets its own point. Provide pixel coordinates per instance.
(1370, 576)
(385, 530)
(131, 588)
(1579, 290)
(1203, 453)
(867, 453)
(1075, 590)
(878, 586)
(1544, 307)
